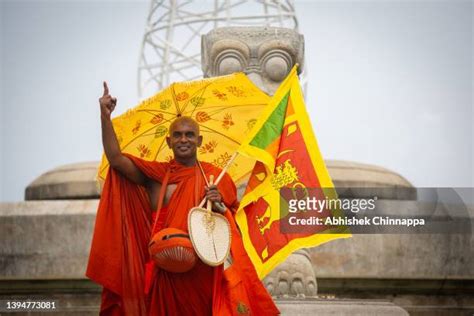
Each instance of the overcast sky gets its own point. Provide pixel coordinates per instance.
(389, 83)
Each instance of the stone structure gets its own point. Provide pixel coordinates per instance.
(66, 182)
(45, 240)
(266, 55)
(417, 272)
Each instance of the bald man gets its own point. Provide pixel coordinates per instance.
(129, 202)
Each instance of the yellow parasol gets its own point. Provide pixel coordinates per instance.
(226, 109)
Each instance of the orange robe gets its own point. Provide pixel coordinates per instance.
(119, 251)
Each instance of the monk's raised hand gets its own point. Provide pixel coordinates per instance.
(107, 103)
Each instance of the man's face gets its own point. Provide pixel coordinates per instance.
(184, 139)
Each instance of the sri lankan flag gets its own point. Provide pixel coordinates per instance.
(283, 144)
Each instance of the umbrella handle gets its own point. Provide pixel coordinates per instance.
(219, 178)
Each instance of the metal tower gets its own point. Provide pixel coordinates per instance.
(171, 45)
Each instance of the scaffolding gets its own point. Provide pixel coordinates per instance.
(171, 46)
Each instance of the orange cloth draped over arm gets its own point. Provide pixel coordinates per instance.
(119, 251)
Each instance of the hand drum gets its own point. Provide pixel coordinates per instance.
(171, 249)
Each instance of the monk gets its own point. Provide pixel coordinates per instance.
(119, 259)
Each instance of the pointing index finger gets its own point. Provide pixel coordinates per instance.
(106, 88)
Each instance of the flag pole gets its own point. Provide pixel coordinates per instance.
(219, 178)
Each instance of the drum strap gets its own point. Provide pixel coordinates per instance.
(161, 197)
(203, 173)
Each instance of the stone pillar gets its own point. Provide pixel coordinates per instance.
(265, 54)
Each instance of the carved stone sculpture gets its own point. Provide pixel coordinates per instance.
(293, 278)
(265, 54)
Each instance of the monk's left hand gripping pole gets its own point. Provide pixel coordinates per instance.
(219, 178)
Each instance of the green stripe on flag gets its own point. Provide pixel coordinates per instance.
(272, 128)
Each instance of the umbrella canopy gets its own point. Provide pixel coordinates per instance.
(226, 109)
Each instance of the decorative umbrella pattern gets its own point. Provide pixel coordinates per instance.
(226, 109)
